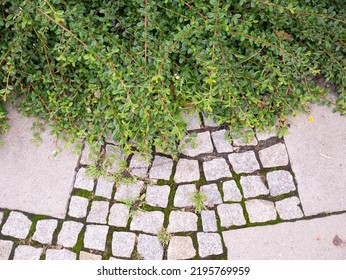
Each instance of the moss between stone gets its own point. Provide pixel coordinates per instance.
(80, 242)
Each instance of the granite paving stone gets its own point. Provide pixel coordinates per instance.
(161, 168)
(245, 162)
(114, 152)
(280, 182)
(231, 191)
(216, 169)
(212, 193)
(192, 120)
(274, 156)
(260, 210)
(180, 248)
(180, 221)
(98, 212)
(87, 155)
(265, 135)
(60, 254)
(17, 225)
(157, 195)
(253, 186)
(44, 231)
(148, 222)
(85, 256)
(129, 191)
(123, 244)
(68, 235)
(239, 142)
(209, 244)
(83, 181)
(5, 249)
(221, 141)
(149, 247)
(288, 208)
(231, 215)
(138, 166)
(183, 195)
(194, 146)
(187, 171)
(119, 215)
(209, 220)
(25, 252)
(78, 207)
(209, 121)
(95, 237)
(104, 188)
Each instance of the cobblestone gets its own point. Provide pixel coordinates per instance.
(60, 254)
(129, 191)
(89, 257)
(183, 195)
(148, 222)
(123, 244)
(280, 182)
(180, 221)
(180, 248)
(209, 121)
(138, 166)
(95, 237)
(158, 195)
(69, 233)
(244, 162)
(187, 171)
(119, 215)
(216, 169)
(209, 221)
(98, 212)
(86, 157)
(222, 142)
(161, 168)
(209, 244)
(260, 210)
(78, 207)
(201, 144)
(5, 249)
(149, 247)
(104, 188)
(115, 153)
(44, 231)
(231, 215)
(192, 120)
(212, 193)
(274, 156)
(288, 208)
(17, 225)
(239, 142)
(253, 186)
(25, 252)
(262, 136)
(231, 191)
(82, 181)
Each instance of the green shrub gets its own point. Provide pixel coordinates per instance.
(127, 69)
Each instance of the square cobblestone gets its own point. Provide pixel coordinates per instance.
(245, 162)
(212, 193)
(25, 252)
(288, 208)
(98, 212)
(5, 249)
(187, 171)
(265, 135)
(192, 120)
(149, 247)
(95, 237)
(60, 254)
(231, 215)
(161, 168)
(69, 233)
(104, 188)
(194, 146)
(157, 195)
(209, 223)
(78, 207)
(119, 215)
(83, 181)
(209, 121)
(85, 256)
(123, 244)
(209, 244)
(274, 156)
(17, 225)
(253, 186)
(260, 210)
(44, 231)
(240, 142)
(129, 191)
(87, 156)
(183, 195)
(216, 169)
(148, 222)
(180, 248)
(180, 221)
(138, 166)
(280, 182)
(114, 152)
(231, 191)
(222, 142)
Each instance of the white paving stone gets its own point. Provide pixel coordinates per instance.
(114, 152)
(288, 208)
(216, 169)
(161, 168)
(260, 210)
(85, 256)
(222, 142)
(194, 146)
(87, 155)
(123, 244)
(104, 188)
(119, 215)
(95, 237)
(231, 215)
(212, 193)
(78, 207)
(149, 247)
(209, 244)
(60, 254)
(68, 235)
(25, 252)
(44, 231)
(180, 248)
(83, 181)
(187, 171)
(274, 156)
(192, 120)
(98, 212)
(5, 249)
(280, 182)
(253, 186)
(148, 222)
(183, 195)
(245, 162)
(209, 121)
(241, 142)
(209, 221)
(17, 225)
(231, 191)
(264, 135)
(180, 221)
(138, 166)
(129, 191)
(157, 195)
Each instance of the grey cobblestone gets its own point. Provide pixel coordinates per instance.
(138, 166)
(231, 215)
(86, 157)
(60, 254)
(119, 215)
(231, 191)
(216, 169)
(209, 244)
(158, 195)
(187, 171)
(25, 252)
(44, 231)
(149, 247)
(244, 162)
(239, 142)
(280, 182)
(161, 168)
(129, 191)
(95, 237)
(213, 194)
(148, 222)
(274, 156)
(209, 121)
(69, 233)
(253, 186)
(192, 120)
(104, 188)
(262, 136)
(260, 210)
(180, 221)
(117, 157)
(17, 225)
(78, 207)
(183, 195)
(5, 249)
(123, 244)
(209, 221)
(89, 257)
(222, 142)
(98, 212)
(180, 248)
(202, 141)
(82, 181)
(288, 208)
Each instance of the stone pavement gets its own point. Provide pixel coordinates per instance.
(221, 199)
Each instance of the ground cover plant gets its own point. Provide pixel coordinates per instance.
(127, 69)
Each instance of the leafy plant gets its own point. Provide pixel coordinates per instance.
(135, 205)
(198, 198)
(164, 236)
